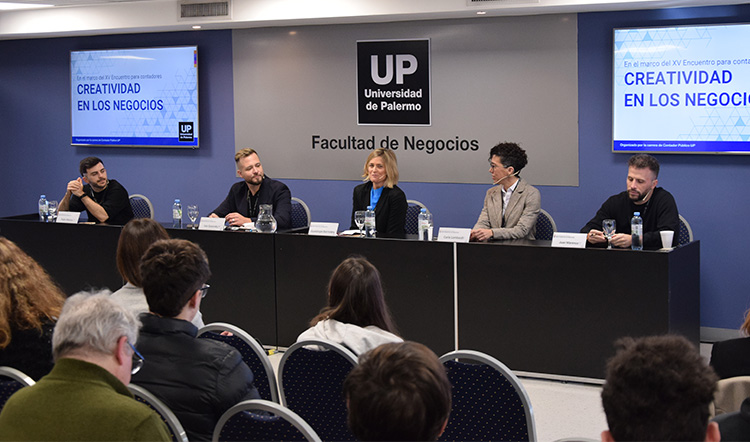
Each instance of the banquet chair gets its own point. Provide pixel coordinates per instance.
(252, 353)
(278, 423)
(12, 380)
(311, 379)
(685, 235)
(545, 226)
(141, 205)
(489, 402)
(300, 214)
(176, 431)
(412, 216)
(730, 393)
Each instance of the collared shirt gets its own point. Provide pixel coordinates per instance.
(507, 194)
(375, 196)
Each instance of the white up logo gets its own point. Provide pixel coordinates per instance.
(406, 64)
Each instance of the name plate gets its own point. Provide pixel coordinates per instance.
(211, 223)
(323, 229)
(453, 234)
(68, 217)
(569, 240)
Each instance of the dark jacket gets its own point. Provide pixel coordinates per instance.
(731, 358)
(390, 212)
(198, 379)
(270, 192)
(30, 351)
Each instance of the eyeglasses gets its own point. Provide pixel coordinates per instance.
(204, 290)
(493, 166)
(137, 360)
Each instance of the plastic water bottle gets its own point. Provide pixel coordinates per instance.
(177, 214)
(425, 225)
(43, 209)
(370, 231)
(636, 230)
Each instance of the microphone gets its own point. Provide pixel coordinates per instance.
(506, 176)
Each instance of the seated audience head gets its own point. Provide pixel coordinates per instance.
(96, 329)
(381, 168)
(136, 237)
(355, 296)
(398, 391)
(28, 296)
(173, 273)
(658, 388)
(745, 327)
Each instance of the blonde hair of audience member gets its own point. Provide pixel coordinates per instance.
(95, 328)
(136, 237)
(390, 163)
(355, 296)
(28, 296)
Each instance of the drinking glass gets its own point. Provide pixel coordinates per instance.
(359, 220)
(608, 226)
(52, 208)
(193, 214)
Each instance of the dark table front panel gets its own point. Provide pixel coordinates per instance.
(558, 311)
(417, 276)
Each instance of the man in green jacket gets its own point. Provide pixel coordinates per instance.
(84, 397)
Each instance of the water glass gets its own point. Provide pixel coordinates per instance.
(52, 210)
(193, 214)
(608, 227)
(359, 220)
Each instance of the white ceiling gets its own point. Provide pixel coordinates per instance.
(92, 17)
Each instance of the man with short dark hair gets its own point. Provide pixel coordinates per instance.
(105, 201)
(656, 206)
(245, 197)
(198, 379)
(510, 210)
(398, 391)
(85, 396)
(658, 388)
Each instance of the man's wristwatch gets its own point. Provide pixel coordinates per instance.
(85, 194)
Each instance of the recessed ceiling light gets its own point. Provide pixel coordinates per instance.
(481, 12)
(196, 26)
(292, 32)
(7, 6)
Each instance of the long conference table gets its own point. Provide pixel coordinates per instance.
(549, 311)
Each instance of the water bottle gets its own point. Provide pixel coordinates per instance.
(370, 223)
(43, 209)
(425, 225)
(636, 230)
(177, 214)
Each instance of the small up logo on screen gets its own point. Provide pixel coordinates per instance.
(186, 131)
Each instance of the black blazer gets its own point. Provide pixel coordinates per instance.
(390, 212)
(731, 358)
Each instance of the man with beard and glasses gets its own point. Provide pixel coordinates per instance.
(245, 197)
(105, 201)
(656, 206)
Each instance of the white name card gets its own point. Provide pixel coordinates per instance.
(453, 234)
(68, 217)
(323, 229)
(569, 240)
(211, 223)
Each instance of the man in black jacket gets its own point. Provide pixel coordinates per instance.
(198, 379)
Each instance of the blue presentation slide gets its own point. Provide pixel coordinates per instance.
(682, 89)
(135, 97)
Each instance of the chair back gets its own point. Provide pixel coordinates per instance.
(685, 235)
(300, 214)
(311, 382)
(730, 393)
(412, 216)
(176, 432)
(545, 226)
(489, 402)
(141, 205)
(252, 353)
(278, 423)
(12, 380)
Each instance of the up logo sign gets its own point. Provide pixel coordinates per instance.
(393, 82)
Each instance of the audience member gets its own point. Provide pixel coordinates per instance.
(658, 388)
(511, 209)
(135, 238)
(105, 201)
(380, 190)
(656, 206)
(85, 396)
(735, 426)
(30, 303)
(731, 358)
(245, 197)
(398, 391)
(356, 315)
(198, 379)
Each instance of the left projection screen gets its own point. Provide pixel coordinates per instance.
(145, 97)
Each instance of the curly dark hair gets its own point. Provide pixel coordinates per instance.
(511, 154)
(658, 388)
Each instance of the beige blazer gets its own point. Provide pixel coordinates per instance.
(520, 215)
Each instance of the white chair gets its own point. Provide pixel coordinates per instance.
(141, 205)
